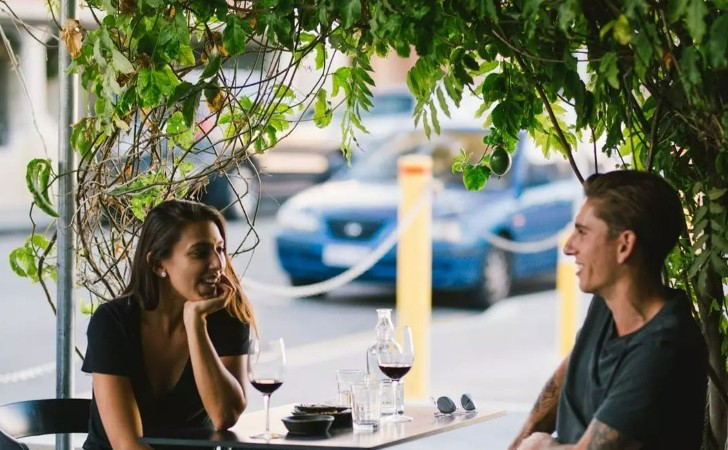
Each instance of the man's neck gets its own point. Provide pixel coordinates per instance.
(634, 303)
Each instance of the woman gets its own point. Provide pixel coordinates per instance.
(170, 352)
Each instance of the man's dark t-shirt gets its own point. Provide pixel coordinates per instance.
(649, 385)
(114, 348)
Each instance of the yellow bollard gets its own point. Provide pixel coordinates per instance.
(566, 286)
(414, 268)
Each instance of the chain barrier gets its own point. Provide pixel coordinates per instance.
(28, 374)
(508, 245)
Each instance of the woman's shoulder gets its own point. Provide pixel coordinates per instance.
(119, 308)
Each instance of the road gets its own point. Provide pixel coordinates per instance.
(501, 356)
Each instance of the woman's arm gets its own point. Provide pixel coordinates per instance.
(119, 412)
(220, 380)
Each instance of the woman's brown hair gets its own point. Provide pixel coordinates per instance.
(160, 232)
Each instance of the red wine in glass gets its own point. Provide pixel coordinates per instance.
(395, 371)
(266, 385)
(395, 360)
(266, 371)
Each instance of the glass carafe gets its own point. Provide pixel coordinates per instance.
(384, 331)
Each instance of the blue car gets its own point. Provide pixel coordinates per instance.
(482, 241)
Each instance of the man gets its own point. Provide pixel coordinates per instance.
(637, 375)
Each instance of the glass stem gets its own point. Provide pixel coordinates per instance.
(266, 405)
(395, 397)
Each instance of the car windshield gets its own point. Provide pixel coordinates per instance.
(381, 164)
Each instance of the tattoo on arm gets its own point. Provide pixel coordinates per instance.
(546, 405)
(601, 437)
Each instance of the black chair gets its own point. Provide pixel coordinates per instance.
(38, 417)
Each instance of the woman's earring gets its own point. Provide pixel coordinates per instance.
(163, 274)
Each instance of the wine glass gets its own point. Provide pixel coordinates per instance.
(266, 367)
(395, 361)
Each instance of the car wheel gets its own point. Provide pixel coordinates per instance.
(305, 282)
(496, 281)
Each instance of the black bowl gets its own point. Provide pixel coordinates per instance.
(308, 424)
(341, 414)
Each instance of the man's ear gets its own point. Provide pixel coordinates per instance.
(626, 245)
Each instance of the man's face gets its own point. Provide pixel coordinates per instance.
(595, 252)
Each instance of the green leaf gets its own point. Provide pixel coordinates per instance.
(718, 42)
(698, 264)
(475, 177)
(350, 11)
(18, 261)
(213, 65)
(148, 91)
(234, 36)
(178, 131)
(120, 62)
(719, 264)
(322, 113)
(189, 108)
(695, 19)
(716, 193)
(185, 55)
(676, 9)
(37, 176)
(609, 70)
(180, 91)
(320, 56)
(622, 31)
(567, 14)
(460, 161)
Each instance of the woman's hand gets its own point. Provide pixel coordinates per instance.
(195, 311)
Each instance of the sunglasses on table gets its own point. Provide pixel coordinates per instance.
(446, 407)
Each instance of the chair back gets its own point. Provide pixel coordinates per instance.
(38, 417)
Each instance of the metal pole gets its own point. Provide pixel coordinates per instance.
(64, 293)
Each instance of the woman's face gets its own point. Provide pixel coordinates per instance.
(195, 266)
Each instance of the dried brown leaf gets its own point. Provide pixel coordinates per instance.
(72, 36)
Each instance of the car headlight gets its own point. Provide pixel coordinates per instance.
(298, 219)
(449, 230)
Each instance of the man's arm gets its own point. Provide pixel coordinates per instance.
(598, 436)
(543, 415)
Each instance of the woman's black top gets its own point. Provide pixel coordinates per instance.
(114, 348)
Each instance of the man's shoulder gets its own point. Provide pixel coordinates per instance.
(673, 327)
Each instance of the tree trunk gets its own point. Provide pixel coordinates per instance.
(717, 426)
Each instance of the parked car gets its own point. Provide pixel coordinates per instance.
(324, 230)
(311, 155)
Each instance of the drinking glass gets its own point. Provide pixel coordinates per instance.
(395, 361)
(266, 367)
